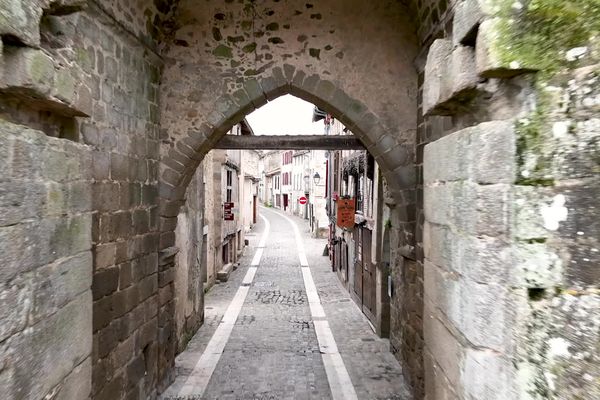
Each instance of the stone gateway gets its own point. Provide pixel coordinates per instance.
(482, 115)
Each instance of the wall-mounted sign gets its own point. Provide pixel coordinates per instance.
(228, 211)
(345, 213)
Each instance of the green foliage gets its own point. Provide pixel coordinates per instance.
(542, 30)
(539, 33)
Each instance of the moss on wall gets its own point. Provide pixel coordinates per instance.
(541, 33)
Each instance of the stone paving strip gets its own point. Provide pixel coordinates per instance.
(337, 375)
(199, 378)
(296, 336)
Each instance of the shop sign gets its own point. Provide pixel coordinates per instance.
(345, 213)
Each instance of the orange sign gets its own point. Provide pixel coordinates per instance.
(345, 213)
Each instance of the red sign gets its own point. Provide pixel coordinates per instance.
(345, 213)
(302, 200)
(228, 211)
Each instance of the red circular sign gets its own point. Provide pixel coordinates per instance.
(302, 200)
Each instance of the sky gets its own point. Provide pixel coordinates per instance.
(286, 115)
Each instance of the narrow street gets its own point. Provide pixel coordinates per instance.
(283, 327)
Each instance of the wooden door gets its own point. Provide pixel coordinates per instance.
(358, 267)
(344, 261)
(368, 275)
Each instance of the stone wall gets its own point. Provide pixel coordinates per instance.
(45, 266)
(88, 77)
(123, 134)
(470, 304)
(189, 285)
(506, 253)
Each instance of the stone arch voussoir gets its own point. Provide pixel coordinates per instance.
(180, 160)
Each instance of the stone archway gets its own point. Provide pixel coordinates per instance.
(225, 60)
(93, 75)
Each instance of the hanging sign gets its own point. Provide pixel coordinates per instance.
(345, 213)
(228, 211)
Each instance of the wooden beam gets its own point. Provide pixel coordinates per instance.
(287, 142)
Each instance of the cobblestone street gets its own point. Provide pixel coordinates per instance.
(273, 350)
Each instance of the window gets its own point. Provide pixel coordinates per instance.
(359, 190)
(287, 158)
(229, 186)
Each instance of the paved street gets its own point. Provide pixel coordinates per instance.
(281, 336)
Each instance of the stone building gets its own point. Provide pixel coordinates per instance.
(287, 158)
(250, 192)
(481, 115)
(356, 250)
(317, 199)
(300, 182)
(271, 162)
(229, 181)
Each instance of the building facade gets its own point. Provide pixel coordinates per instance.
(300, 182)
(231, 197)
(357, 249)
(270, 162)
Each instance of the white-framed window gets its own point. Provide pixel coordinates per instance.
(229, 186)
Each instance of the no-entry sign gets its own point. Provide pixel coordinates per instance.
(302, 200)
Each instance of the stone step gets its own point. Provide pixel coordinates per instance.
(223, 274)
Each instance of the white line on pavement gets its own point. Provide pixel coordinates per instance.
(198, 380)
(337, 375)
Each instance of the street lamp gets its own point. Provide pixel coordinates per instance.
(316, 178)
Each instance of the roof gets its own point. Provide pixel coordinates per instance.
(246, 128)
(318, 114)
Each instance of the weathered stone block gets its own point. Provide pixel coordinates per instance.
(446, 350)
(78, 385)
(537, 266)
(480, 312)
(468, 14)
(450, 78)
(38, 359)
(485, 153)
(14, 306)
(529, 223)
(492, 55)
(489, 375)
(474, 209)
(462, 77)
(437, 386)
(21, 19)
(57, 284)
(136, 370)
(60, 166)
(21, 200)
(106, 282)
(64, 86)
(574, 333)
(481, 259)
(28, 69)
